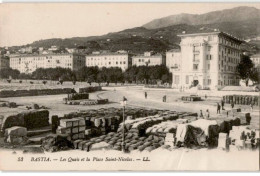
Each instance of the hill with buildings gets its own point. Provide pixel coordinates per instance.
(161, 34)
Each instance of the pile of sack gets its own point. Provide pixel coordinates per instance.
(56, 142)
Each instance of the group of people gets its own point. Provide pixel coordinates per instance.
(206, 115)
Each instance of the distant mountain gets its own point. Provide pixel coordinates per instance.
(229, 15)
(245, 25)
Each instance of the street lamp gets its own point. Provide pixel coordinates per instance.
(123, 103)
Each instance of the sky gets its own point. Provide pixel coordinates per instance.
(24, 23)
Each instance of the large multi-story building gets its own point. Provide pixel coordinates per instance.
(29, 63)
(148, 59)
(255, 59)
(173, 59)
(208, 60)
(4, 62)
(108, 60)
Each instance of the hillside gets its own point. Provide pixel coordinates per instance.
(140, 39)
(228, 15)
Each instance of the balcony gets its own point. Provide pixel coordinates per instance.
(196, 61)
(196, 51)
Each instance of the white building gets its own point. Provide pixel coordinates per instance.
(173, 59)
(208, 60)
(108, 60)
(148, 59)
(255, 59)
(29, 63)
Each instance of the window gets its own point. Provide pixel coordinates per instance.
(210, 38)
(209, 81)
(195, 66)
(176, 79)
(187, 79)
(208, 66)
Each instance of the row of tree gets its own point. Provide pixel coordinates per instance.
(142, 74)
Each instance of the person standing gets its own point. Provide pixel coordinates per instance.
(232, 104)
(145, 95)
(218, 108)
(222, 104)
(201, 114)
(207, 114)
(252, 106)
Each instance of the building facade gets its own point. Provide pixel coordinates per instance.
(29, 63)
(148, 59)
(108, 60)
(173, 59)
(4, 62)
(208, 60)
(255, 59)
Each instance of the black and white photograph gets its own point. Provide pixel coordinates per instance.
(130, 86)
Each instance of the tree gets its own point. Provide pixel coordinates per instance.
(244, 68)
(7, 72)
(255, 75)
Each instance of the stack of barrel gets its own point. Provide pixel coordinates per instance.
(241, 99)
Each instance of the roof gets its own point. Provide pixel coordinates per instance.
(142, 56)
(207, 31)
(43, 55)
(107, 54)
(174, 50)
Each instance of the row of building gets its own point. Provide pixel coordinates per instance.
(207, 59)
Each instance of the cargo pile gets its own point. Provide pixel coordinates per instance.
(74, 127)
(191, 98)
(90, 89)
(86, 102)
(30, 120)
(34, 92)
(241, 99)
(54, 143)
(15, 135)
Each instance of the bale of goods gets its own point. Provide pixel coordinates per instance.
(65, 123)
(76, 143)
(15, 135)
(81, 145)
(53, 143)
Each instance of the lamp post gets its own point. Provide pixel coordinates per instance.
(123, 103)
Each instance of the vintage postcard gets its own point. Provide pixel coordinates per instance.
(129, 86)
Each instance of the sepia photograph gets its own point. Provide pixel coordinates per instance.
(130, 86)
